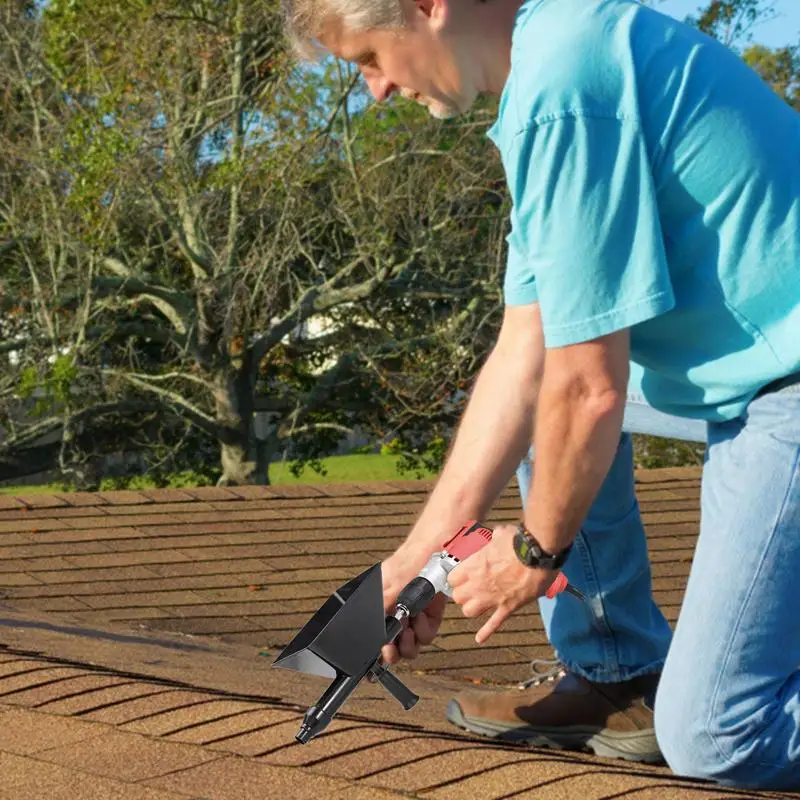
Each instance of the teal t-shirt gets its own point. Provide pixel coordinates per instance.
(655, 181)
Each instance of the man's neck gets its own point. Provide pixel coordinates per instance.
(493, 27)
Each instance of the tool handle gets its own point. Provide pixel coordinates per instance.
(471, 537)
(395, 687)
(557, 586)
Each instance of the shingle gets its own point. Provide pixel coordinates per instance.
(173, 511)
(199, 714)
(34, 565)
(18, 579)
(56, 604)
(41, 500)
(65, 512)
(262, 735)
(24, 524)
(12, 685)
(211, 494)
(419, 772)
(168, 495)
(160, 699)
(340, 489)
(234, 778)
(8, 502)
(104, 533)
(124, 498)
(216, 733)
(101, 698)
(477, 656)
(210, 567)
(127, 559)
(251, 492)
(83, 498)
(97, 575)
(371, 763)
(57, 691)
(127, 756)
(293, 490)
(33, 779)
(25, 732)
(332, 746)
(53, 548)
(260, 551)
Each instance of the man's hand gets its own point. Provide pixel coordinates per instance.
(494, 579)
(397, 571)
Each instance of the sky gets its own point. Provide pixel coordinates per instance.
(783, 29)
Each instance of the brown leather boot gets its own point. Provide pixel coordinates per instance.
(610, 719)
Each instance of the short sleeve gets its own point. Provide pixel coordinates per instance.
(519, 284)
(585, 239)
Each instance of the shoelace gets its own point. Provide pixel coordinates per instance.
(544, 669)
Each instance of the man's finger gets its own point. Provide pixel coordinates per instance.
(461, 595)
(424, 628)
(389, 654)
(492, 624)
(457, 576)
(407, 644)
(474, 608)
(436, 608)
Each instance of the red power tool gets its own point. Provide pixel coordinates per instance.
(343, 640)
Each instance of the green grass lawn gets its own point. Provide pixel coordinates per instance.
(339, 469)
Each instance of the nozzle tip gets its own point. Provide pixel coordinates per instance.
(304, 734)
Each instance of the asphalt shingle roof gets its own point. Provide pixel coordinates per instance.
(138, 629)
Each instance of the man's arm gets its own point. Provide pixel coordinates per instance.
(579, 419)
(578, 423)
(494, 434)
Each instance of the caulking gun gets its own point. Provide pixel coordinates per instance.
(343, 640)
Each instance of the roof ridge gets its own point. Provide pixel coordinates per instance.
(124, 497)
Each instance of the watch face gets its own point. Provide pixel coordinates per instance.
(524, 550)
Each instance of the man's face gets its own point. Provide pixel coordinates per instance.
(419, 61)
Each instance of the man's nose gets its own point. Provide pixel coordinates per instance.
(381, 87)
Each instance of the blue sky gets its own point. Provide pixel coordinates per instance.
(783, 29)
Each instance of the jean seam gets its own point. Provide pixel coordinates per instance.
(600, 621)
(728, 758)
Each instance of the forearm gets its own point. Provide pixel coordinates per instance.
(494, 435)
(577, 433)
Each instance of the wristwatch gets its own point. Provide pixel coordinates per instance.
(530, 552)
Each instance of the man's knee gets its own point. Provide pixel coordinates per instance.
(696, 745)
(685, 744)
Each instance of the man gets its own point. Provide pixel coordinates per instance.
(655, 249)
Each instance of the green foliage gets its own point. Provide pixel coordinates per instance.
(50, 384)
(29, 381)
(178, 480)
(731, 20)
(651, 452)
(418, 460)
(779, 68)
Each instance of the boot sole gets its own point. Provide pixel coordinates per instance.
(640, 746)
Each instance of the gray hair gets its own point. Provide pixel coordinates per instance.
(306, 19)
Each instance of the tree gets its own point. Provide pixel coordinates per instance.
(208, 216)
(780, 68)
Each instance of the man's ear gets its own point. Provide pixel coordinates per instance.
(435, 10)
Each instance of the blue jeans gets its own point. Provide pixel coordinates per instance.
(728, 703)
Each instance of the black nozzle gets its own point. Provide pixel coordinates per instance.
(343, 641)
(304, 734)
(315, 721)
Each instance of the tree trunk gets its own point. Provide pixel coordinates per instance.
(265, 430)
(234, 412)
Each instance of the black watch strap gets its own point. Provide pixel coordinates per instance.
(531, 554)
